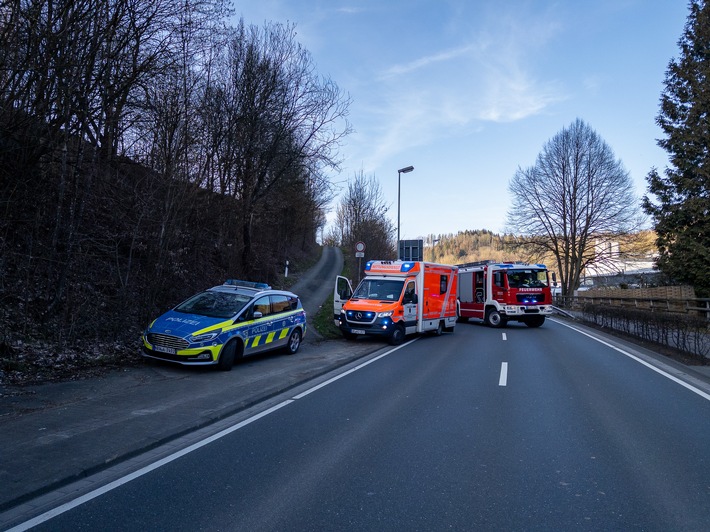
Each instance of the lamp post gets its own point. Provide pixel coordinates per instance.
(401, 171)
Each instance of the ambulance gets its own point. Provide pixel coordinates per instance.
(499, 292)
(397, 298)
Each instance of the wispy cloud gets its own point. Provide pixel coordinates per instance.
(426, 61)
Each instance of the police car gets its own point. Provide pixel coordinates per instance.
(225, 323)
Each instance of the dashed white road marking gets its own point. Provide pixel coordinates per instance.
(503, 380)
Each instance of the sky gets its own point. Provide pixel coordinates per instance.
(468, 91)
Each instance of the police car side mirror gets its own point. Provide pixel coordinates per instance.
(257, 314)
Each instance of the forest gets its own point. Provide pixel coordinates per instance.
(148, 150)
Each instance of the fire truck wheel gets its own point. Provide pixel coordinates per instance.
(397, 336)
(494, 319)
(535, 321)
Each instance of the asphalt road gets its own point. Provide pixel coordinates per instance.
(517, 429)
(60, 440)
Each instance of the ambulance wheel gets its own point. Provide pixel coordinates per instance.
(494, 319)
(397, 336)
(227, 356)
(440, 329)
(294, 342)
(535, 321)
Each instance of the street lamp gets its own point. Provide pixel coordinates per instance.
(399, 181)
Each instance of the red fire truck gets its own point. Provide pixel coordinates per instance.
(499, 292)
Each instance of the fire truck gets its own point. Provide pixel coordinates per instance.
(499, 292)
(397, 298)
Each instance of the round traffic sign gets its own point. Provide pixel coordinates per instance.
(360, 247)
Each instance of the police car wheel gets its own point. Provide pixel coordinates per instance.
(294, 342)
(227, 356)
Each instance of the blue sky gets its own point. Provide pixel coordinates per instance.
(468, 91)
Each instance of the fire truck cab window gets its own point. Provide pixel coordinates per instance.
(498, 278)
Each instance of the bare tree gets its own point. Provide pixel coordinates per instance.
(362, 216)
(272, 119)
(574, 202)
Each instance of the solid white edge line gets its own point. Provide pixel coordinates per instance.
(505, 336)
(140, 472)
(640, 361)
(46, 516)
(503, 380)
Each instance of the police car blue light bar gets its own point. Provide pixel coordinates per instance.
(247, 284)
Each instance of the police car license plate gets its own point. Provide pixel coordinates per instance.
(358, 331)
(168, 350)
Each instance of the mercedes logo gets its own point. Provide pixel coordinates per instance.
(359, 315)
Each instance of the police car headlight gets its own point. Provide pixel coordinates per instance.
(206, 337)
(386, 314)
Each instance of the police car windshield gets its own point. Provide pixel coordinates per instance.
(214, 304)
(387, 290)
(527, 278)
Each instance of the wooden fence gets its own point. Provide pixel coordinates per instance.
(671, 299)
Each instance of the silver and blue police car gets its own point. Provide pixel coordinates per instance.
(226, 322)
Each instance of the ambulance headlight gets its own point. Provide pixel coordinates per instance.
(385, 314)
(206, 337)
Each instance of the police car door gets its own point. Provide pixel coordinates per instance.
(342, 292)
(257, 335)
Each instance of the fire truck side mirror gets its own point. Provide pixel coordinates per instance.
(554, 278)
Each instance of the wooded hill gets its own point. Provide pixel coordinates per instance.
(474, 245)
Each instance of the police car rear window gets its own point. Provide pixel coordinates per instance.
(214, 304)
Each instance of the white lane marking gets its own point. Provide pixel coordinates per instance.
(641, 361)
(144, 470)
(505, 337)
(503, 380)
(46, 516)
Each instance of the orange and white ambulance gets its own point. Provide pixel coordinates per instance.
(397, 298)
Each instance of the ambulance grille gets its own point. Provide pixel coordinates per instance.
(360, 316)
(166, 340)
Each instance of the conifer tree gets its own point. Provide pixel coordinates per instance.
(681, 212)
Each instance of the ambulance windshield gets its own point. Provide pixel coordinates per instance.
(526, 278)
(381, 289)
